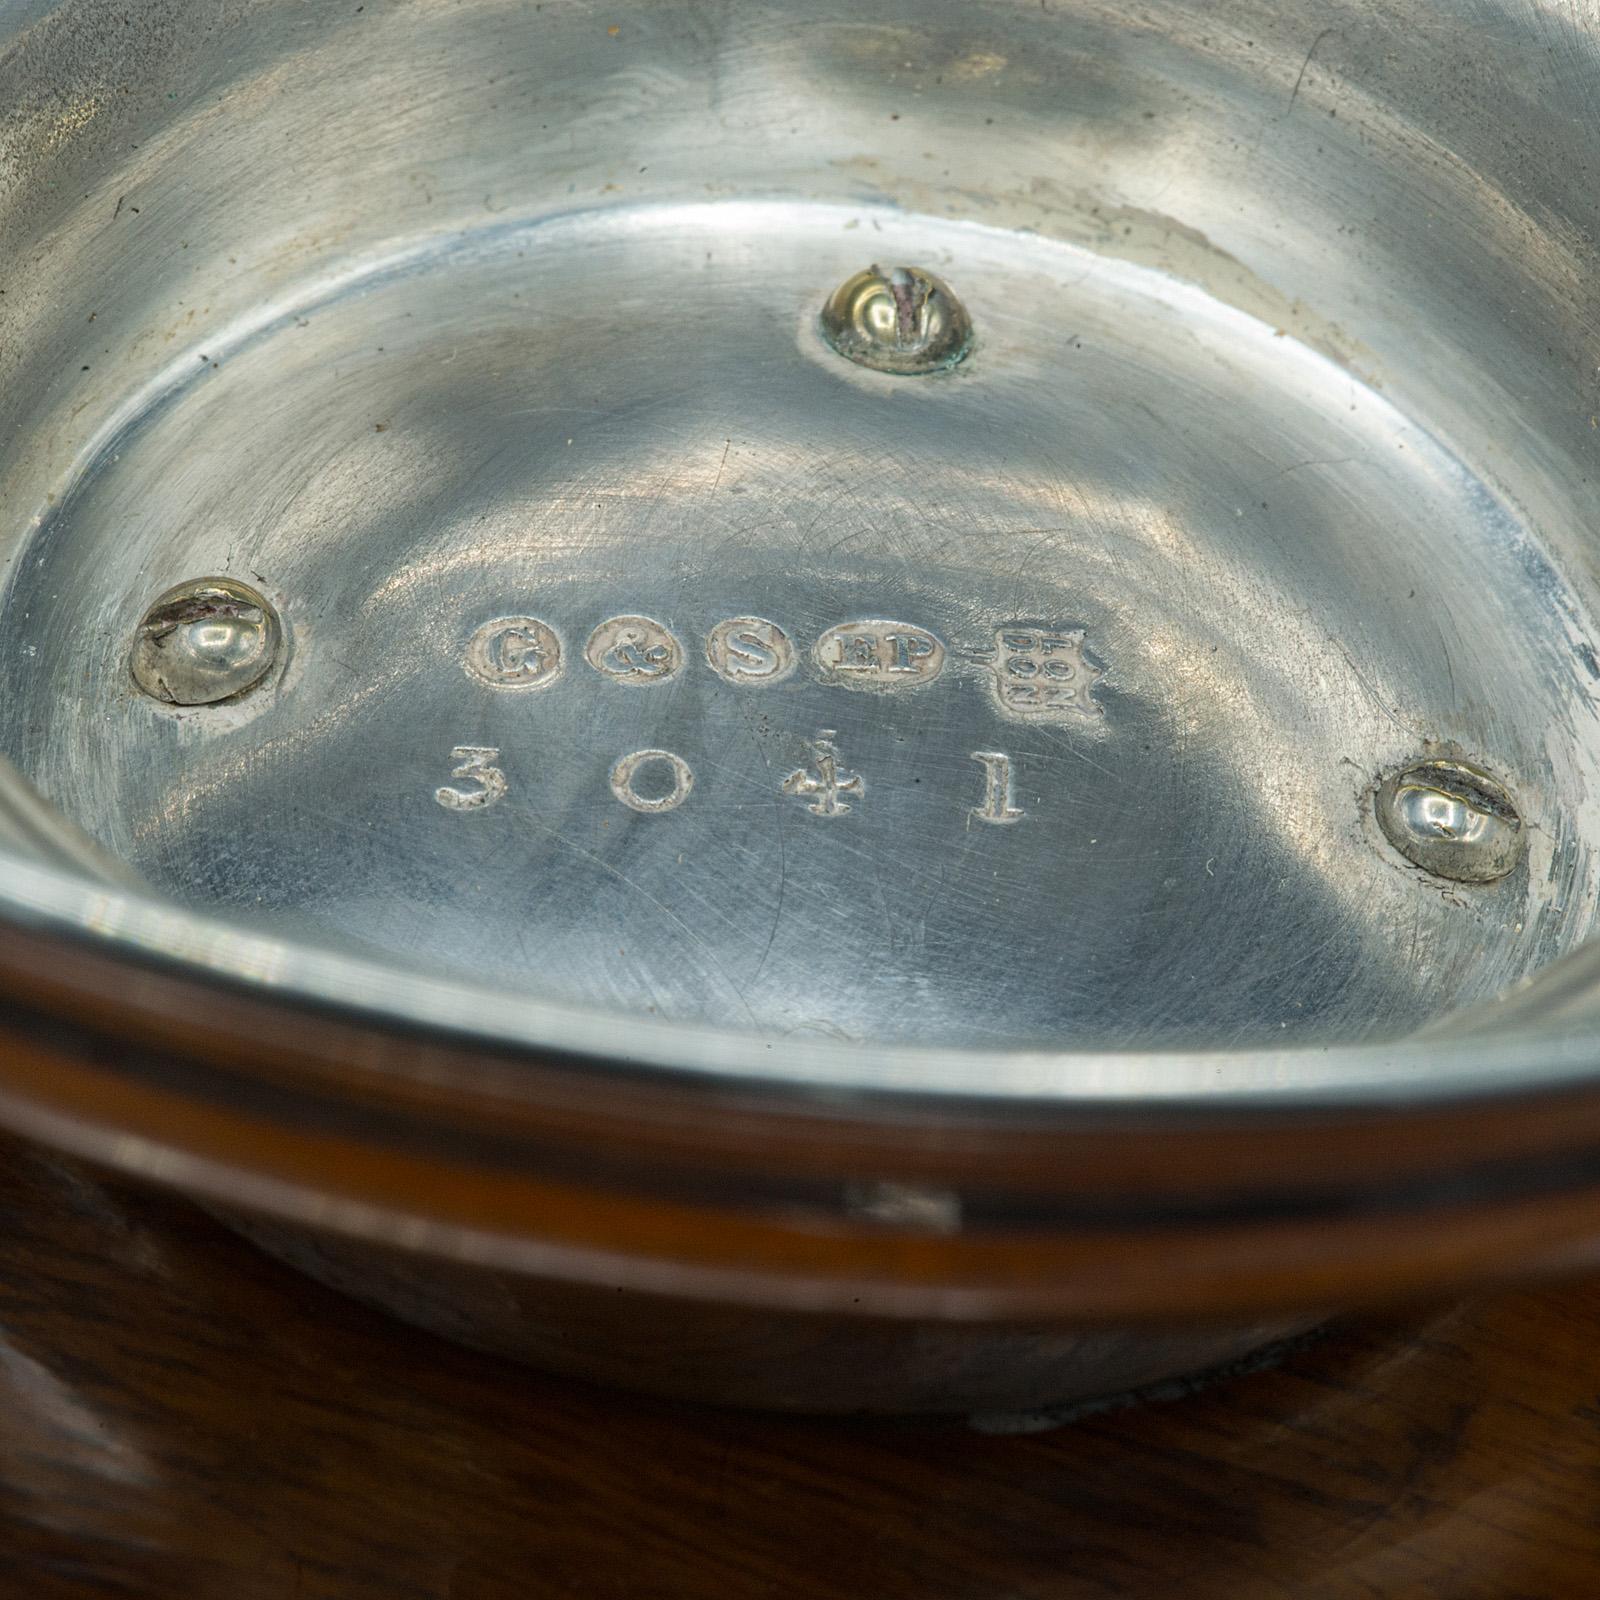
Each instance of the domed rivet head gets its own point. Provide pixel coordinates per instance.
(897, 319)
(1452, 820)
(205, 641)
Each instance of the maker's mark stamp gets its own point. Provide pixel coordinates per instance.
(1042, 675)
(514, 653)
(879, 655)
(634, 650)
(749, 650)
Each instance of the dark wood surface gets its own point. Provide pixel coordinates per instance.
(181, 1417)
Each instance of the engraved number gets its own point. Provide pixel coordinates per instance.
(827, 782)
(475, 763)
(622, 784)
(997, 798)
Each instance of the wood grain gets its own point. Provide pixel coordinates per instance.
(181, 1417)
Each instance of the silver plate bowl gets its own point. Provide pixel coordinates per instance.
(1030, 557)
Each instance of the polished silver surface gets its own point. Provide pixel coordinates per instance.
(654, 664)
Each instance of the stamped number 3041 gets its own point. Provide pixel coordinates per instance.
(653, 782)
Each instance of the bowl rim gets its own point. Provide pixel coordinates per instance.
(1442, 1063)
(202, 1069)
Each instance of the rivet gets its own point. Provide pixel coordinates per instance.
(1451, 819)
(204, 641)
(900, 320)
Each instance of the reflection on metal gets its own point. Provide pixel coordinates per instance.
(1452, 820)
(897, 319)
(34, 830)
(203, 641)
(90, 1433)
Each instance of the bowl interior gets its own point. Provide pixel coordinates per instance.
(634, 649)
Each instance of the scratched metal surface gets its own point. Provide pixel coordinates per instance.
(487, 338)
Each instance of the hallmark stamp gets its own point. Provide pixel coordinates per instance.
(635, 650)
(826, 781)
(624, 787)
(1036, 673)
(749, 650)
(514, 653)
(879, 655)
(1042, 675)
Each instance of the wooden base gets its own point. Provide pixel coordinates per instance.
(182, 1418)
